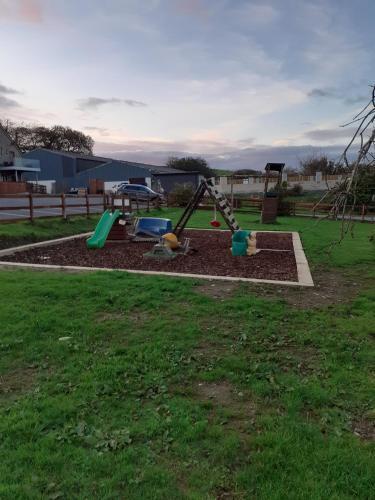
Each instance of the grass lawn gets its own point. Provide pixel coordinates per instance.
(125, 386)
(23, 232)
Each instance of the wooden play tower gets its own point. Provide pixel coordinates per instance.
(271, 198)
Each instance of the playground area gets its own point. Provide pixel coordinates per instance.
(276, 260)
(155, 245)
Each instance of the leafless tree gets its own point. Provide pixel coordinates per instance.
(347, 193)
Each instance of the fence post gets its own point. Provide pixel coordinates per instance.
(63, 206)
(31, 207)
(123, 204)
(148, 203)
(104, 202)
(87, 206)
(363, 213)
(136, 200)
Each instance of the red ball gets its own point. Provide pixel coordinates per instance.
(215, 223)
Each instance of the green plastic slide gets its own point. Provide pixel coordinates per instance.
(97, 240)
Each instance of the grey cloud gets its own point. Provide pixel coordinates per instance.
(5, 102)
(330, 134)
(324, 92)
(255, 157)
(361, 99)
(246, 142)
(90, 103)
(8, 90)
(332, 93)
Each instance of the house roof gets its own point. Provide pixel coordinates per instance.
(157, 169)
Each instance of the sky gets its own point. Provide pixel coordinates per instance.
(239, 82)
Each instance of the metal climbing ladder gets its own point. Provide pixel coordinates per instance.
(218, 198)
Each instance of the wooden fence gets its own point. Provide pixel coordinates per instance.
(254, 205)
(31, 206)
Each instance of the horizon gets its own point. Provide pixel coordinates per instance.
(238, 84)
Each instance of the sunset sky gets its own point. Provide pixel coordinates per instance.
(239, 82)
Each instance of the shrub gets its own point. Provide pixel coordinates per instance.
(296, 190)
(181, 194)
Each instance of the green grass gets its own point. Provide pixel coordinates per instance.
(106, 378)
(24, 232)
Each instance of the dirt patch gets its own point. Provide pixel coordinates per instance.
(222, 395)
(331, 287)
(139, 317)
(109, 316)
(208, 349)
(18, 381)
(212, 257)
(218, 289)
(303, 360)
(227, 494)
(364, 428)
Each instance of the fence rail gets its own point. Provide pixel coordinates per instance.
(31, 206)
(16, 207)
(254, 205)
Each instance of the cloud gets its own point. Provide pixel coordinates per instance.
(323, 92)
(246, 142)
(332, 93)
(99, 130)
(255, 157)
(257, 14)
(29, 11)
(92, 103)
(8, 90)
(5, 101)
(361, 99)
(330, 134)
(191, 7)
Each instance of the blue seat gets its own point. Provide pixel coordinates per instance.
(153, 227)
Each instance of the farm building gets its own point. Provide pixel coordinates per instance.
(62, 171)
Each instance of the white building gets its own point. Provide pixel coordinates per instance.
(254, 184)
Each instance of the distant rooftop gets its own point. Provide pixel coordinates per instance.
(157, 169)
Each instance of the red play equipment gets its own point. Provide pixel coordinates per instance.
(215, 222)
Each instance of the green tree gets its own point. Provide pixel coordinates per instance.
(365, 185)
(313, 164)
(58, 138)
(191, 164)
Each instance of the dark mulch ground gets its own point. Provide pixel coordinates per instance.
(213, 256)
(275, 241)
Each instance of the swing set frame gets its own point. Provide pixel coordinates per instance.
(220, 201)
